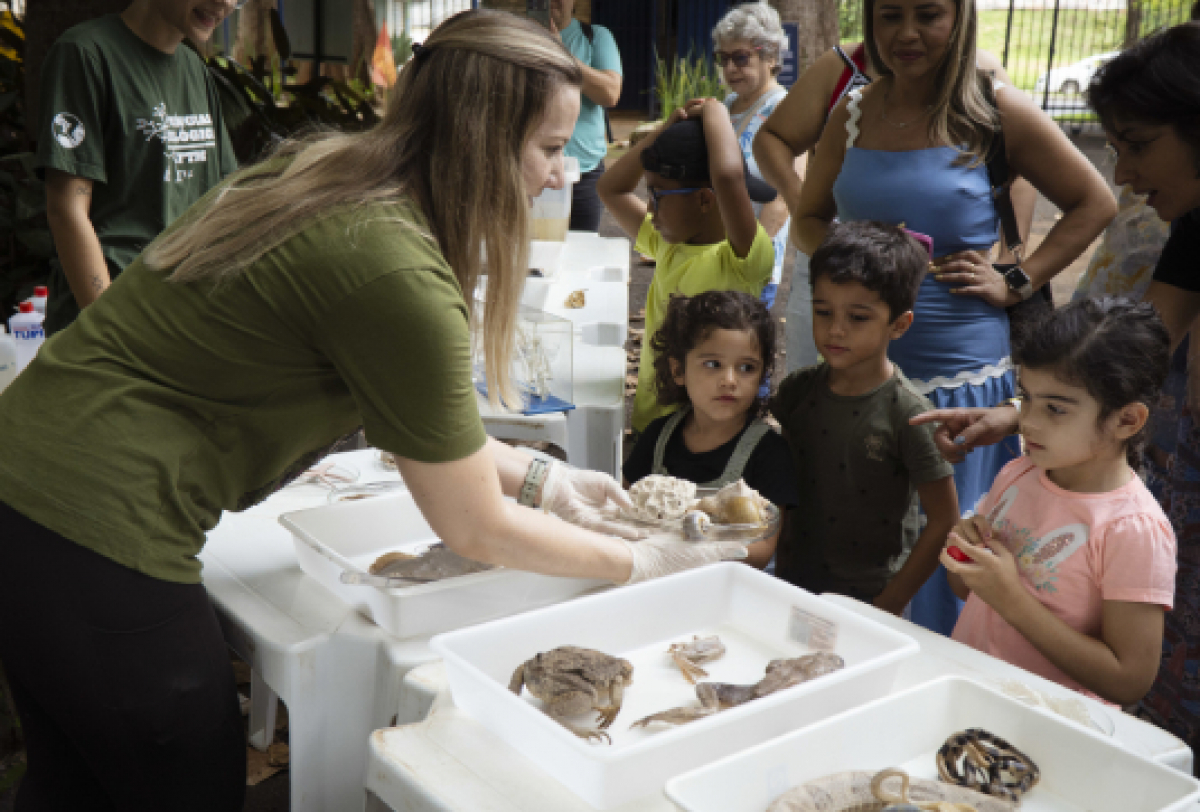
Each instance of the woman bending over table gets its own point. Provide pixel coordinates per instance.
(328, 288)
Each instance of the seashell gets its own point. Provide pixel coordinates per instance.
(695, 524)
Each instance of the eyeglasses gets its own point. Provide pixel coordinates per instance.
(656, 195)
(740, 58)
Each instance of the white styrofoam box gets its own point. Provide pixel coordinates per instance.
(350, 535)
(755, 615)
(1082, 769)
(546, 256)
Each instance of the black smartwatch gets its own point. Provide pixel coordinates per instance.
(1016, 279)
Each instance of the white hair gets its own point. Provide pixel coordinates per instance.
(757, 23)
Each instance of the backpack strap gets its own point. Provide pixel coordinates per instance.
(664, 436)
(741, 455)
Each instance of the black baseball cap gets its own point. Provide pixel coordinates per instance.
(680, 153)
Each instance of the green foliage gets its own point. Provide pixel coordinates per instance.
(401, 48)
(684, 79)
(25, 244)
(262, 106)
(850, 20)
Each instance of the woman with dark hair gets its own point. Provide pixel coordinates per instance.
(1148, 100)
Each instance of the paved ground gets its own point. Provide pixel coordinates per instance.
(271, 795)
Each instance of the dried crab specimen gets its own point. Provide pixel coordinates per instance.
(688, 656)
(718, 696)
(867, 792)
(572, 681)
(436, 563)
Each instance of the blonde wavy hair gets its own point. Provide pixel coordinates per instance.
(450, 142)
(963, 114)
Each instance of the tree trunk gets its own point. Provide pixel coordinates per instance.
(254, 32)
(1133, 22)
(45, 20)
(818, 29)
(364, 33)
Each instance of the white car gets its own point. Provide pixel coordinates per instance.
(1073, 79)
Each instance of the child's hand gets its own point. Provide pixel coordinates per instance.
(992, 572)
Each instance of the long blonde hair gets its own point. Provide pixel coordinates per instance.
(451, 142)
(962, 115)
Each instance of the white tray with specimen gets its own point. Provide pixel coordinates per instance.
(349, 536)
(1081, 770)
(757, 617)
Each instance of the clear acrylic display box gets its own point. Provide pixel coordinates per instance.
(542, 362)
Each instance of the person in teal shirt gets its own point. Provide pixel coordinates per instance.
(596, 51)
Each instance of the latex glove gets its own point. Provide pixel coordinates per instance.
(657, 557)
(577, 496)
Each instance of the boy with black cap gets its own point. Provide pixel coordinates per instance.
(699, 225)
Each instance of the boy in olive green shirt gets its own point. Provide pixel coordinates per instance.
(699, 226)
(859, 464)
(130, 135)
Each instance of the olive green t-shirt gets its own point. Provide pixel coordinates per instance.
(167, 403)
(858, 464)
(143, 125)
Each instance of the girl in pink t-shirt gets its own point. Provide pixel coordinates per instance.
(1071, 561)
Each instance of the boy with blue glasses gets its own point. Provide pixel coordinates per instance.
(699, 224)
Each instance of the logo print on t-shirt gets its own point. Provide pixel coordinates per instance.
(186, 139)
(874, 444)
(68, 130)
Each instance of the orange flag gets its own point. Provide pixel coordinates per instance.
(383, 64)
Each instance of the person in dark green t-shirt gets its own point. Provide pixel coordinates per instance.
(330, 287)
(130, 135)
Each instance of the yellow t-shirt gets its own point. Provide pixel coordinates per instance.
(690, 269)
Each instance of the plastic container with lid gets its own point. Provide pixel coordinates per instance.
(27, 332)
(8, 358)
(551, 215)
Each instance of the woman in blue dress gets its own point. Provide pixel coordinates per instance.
(910, 149)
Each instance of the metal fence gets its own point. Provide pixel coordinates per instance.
(1051, 48)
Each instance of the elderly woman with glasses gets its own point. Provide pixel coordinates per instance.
(749, 43)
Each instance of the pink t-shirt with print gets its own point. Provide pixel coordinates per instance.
(1074, 551)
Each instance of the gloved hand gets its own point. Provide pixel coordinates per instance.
(656, 557)
(577, 496)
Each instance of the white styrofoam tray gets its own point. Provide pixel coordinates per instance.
(351, 535)
(755, 616)
(1082, 770)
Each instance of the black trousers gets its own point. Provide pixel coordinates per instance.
(586, 208)
(121, 681)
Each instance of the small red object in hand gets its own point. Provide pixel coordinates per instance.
(957, 554)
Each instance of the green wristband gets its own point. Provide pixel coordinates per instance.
(534, 477)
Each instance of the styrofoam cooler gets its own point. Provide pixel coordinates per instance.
(1081, 769)
(348, 536)
(757, 616)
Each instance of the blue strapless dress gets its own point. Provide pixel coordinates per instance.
(957, 350)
